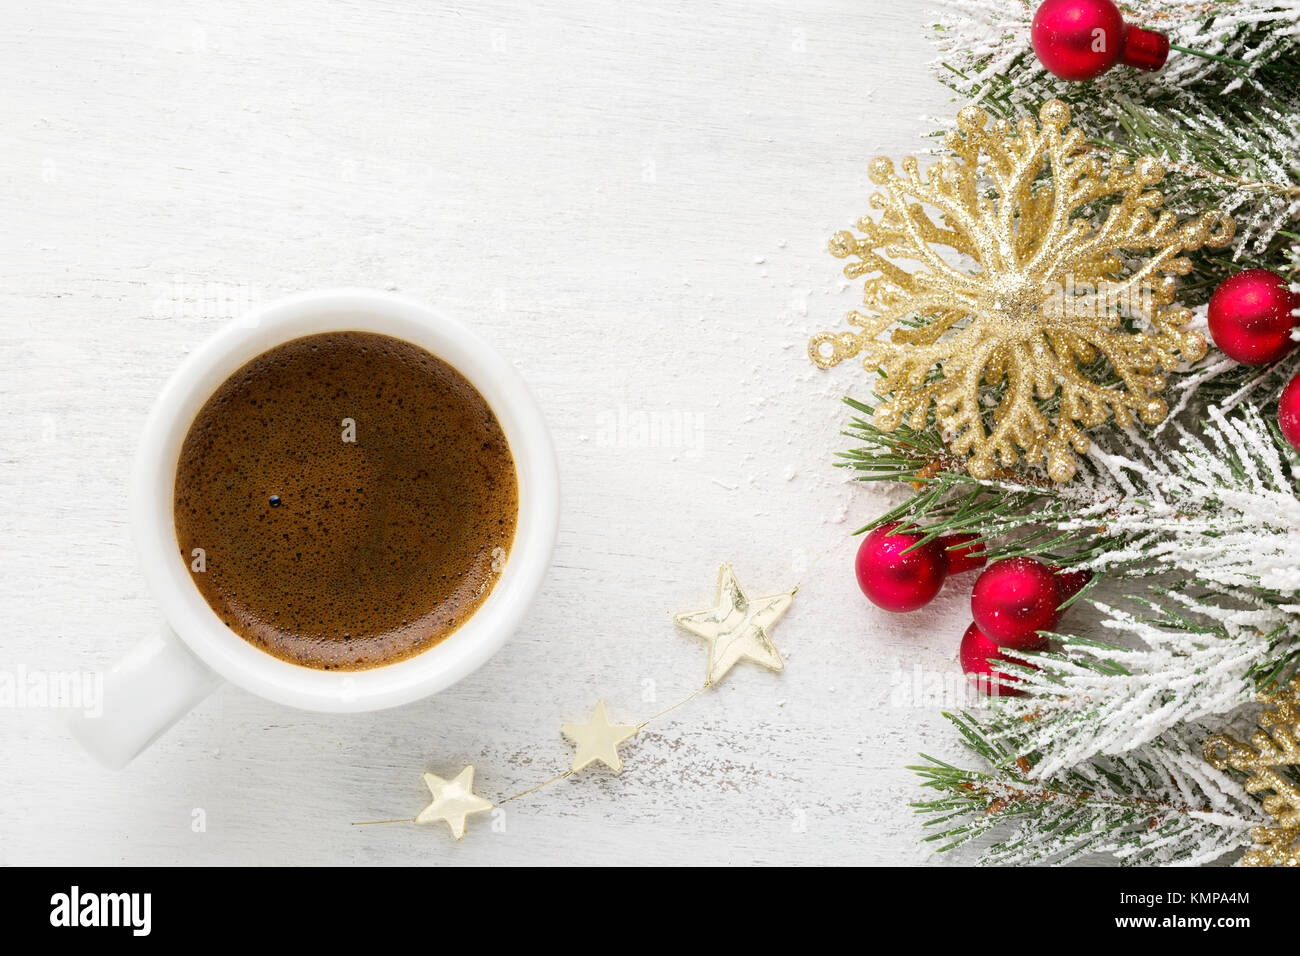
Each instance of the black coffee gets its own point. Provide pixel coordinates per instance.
(353, 496)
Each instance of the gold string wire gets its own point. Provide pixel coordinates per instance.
(375, 823)
(544, 783)
(671, 707)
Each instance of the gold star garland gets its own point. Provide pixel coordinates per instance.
(736, 628)
(1272, 749)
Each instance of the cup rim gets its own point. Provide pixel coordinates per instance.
(150, 507)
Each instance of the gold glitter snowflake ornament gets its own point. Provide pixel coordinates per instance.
(1069, 319)
(1271, 760)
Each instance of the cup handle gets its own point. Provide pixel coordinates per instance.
(157, 683)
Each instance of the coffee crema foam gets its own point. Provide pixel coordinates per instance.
(335, 553)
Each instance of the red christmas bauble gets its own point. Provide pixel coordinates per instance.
(965, 552)
(1015, 599)
(896, 581)
(1082, 39)
(1288, 413)
(976, 650)
(1250, 317)
(1070, 583)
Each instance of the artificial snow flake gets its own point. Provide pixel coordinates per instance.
(1069, 319)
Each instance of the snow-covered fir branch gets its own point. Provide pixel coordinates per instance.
(1217, 518)
(1170, 663)
(1112, 713)
(1158, 804)
(1193, 527)
(995, 35)
(1203, 531)
(1220, 510)
(1228, 121)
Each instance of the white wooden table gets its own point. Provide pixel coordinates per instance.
(633, 202)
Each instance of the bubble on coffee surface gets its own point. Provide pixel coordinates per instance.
(389, 544)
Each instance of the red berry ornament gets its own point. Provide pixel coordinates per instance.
(965, 552)
(976, 650)
(1082, 39)
(1015, 599)
(1288, 413)
(1250, 317)
(896, 581)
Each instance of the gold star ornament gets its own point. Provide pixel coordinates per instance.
(736, 627)
(598, 739)
(453, 801)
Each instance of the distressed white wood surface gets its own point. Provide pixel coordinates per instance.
(633, 202)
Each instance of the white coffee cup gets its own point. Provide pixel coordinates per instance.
(165, 676)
